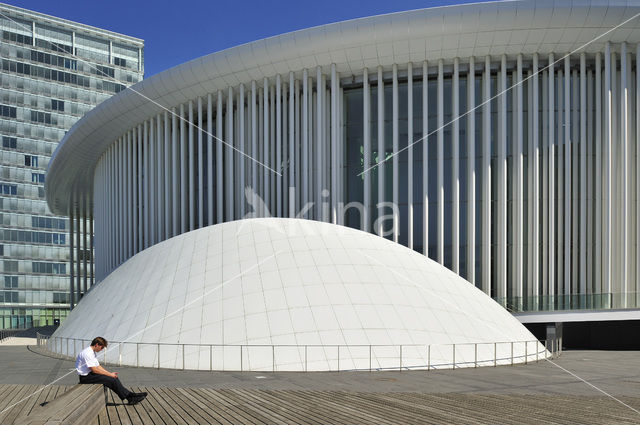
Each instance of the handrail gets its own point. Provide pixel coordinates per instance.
(406, 356)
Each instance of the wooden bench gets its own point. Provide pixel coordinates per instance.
(79, 406)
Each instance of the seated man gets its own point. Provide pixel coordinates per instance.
(90, 372)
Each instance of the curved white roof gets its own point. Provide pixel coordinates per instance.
(497, 28)
(291, 282)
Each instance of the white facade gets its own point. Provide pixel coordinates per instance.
(550, 150)
(288, 294)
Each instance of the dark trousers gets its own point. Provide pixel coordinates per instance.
(113, 383)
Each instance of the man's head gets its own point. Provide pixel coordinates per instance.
(98, 343)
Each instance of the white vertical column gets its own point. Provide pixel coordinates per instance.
(551, 168)
(272, 148)
(334, 144)
(606, 184)
(191, 169)
(535, 176)
(366, 135)
(567, 180)
(130, 206)
(501, 289)
(320, 144)
(277, 166)
(254, 142)
(637, 189)
(266, 147)
(518, 158)
(175, 174)
(168, 199)
(242, 146)
(184, 167)
(294, 189)
(591, 185)
(200, 218)
(583, 175)
(410, 154)
(229, 158)
(471, 172)
(381, 150)
(560, 187)
(440, 187)
(137, 189)
(544, 208)
(486, 177)
(425, 158)
(151, 185)
(145, 185)
(159, 174)
(305, 142)
(624, 154)
(119, 205)
(298, 144)
(396, 148)
(210, 165)
(219, 170)
(455, 168)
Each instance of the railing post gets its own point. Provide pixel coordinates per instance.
(526, 352)
(537, 350)
(475, 355)
(495, 354)
(273, 358)
(241, 358)
(120, 353)
(211, 358)
(369, 357)
(182, 356)
(400, 358)
(511, 353)
(306, 366)
(137, 354)
(158, 345)
(428, 357)
(338, 358)
(454, 356)
(545, 348)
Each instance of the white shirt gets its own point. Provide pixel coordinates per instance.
(85, 361)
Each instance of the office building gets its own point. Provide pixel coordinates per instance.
(52, 72)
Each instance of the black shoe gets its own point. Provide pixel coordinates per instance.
(136, 398)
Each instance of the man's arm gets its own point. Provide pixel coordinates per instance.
(99, 370)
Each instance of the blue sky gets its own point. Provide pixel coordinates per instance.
(177, 31)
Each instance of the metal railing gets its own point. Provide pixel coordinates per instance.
(8, 333)
(305, 358)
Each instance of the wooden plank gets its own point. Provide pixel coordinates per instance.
(307, 408)
(13, 407)
(234, 409)
(8, 396)
(144, 411)
(186, 412)
(195, 406)
(284, 409)
(28, 400)
(114, 405)
(376, 407)
(198, 396)
(248, 404)
(166, 411)
(342, 411)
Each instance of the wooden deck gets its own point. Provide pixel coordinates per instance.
(236, 406)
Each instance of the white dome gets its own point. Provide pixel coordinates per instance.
(251, 294)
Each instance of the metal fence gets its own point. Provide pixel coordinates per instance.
(8, 333)
(307, 357)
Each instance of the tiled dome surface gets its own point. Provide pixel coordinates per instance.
(290, 283)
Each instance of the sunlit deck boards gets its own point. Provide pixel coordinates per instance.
(239, 406)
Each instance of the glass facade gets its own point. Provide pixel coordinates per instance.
(52, 72)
